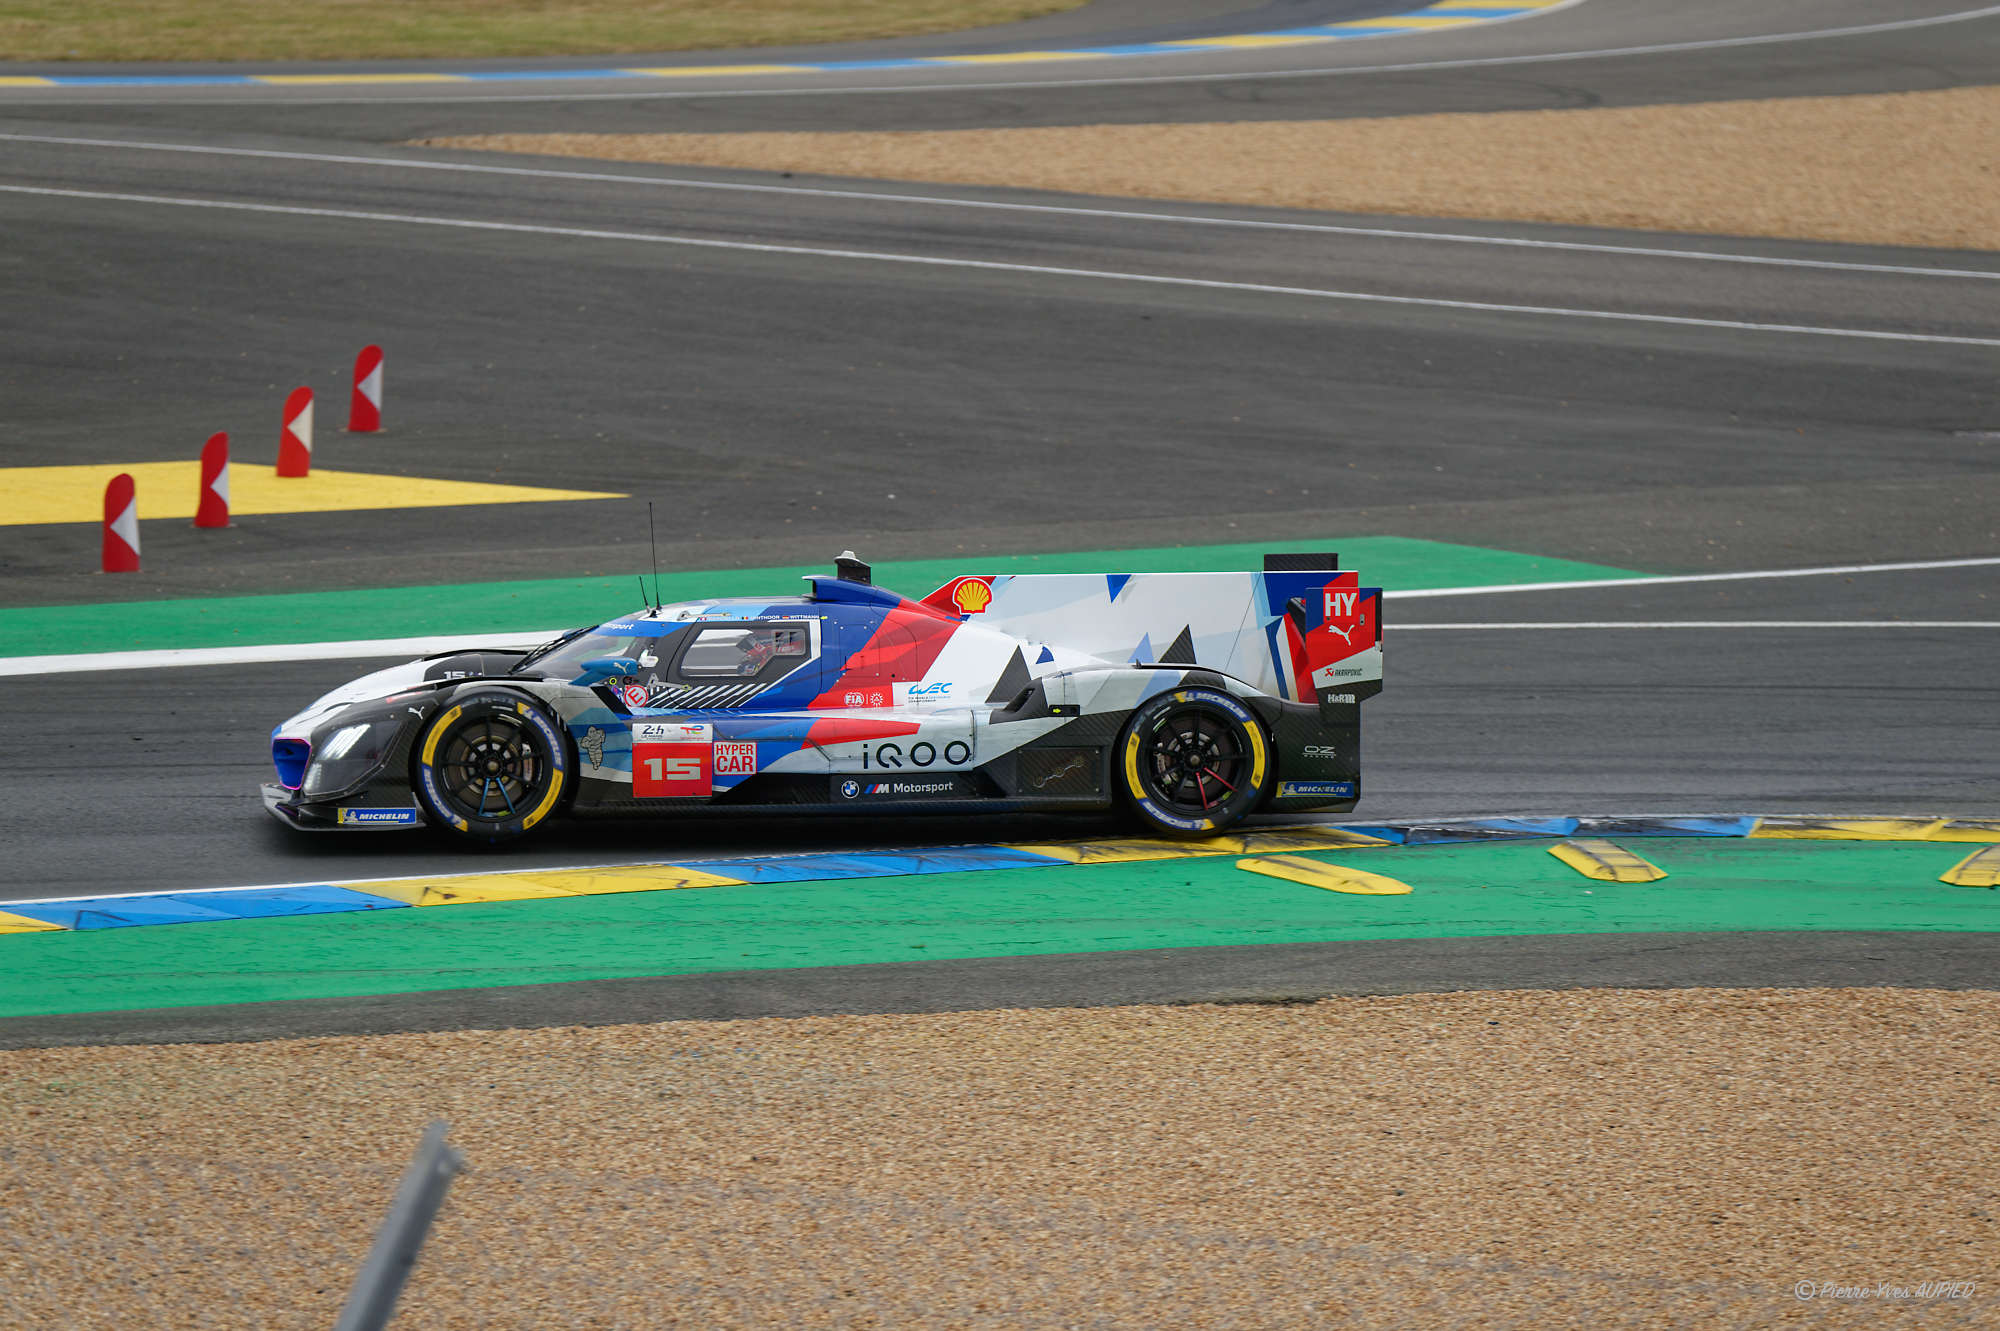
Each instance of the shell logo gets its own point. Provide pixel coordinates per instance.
(972, 595)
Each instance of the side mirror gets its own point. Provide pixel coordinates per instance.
(604, 667)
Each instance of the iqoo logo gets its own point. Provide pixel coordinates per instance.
(956, 753)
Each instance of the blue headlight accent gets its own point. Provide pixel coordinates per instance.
(290, 757)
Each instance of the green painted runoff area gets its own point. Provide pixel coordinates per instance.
(1459, 892)
(1393, 562)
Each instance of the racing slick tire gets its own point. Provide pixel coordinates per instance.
(1193, 761)
(491, 766)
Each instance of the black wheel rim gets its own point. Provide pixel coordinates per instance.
(490, 768)
(1194, 761)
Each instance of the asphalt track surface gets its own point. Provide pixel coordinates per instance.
(1663, 412)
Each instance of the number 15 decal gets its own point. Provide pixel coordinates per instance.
(672, 769)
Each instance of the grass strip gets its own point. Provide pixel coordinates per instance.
(1460, 892)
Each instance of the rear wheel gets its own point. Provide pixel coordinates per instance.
(491, 766)
(1193, 762)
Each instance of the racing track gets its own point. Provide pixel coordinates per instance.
(1044, 400)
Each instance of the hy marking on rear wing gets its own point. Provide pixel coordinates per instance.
(1299, 630)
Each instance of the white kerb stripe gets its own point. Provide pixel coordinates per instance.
(221, 485)
(371, 387)
(126, 525)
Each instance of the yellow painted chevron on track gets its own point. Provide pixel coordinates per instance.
(1979, 869)
(42, 495)
(1322, 874)
(532, 884)
(21, 924)
(1607, 862)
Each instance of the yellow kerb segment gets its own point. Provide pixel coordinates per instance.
(699, 71)
(315, 79)
(21, 924)
(1857, 829)
(1607, 862)
(44, 495)
(22, 81)
(1968, 829)
(1331, 877)
(536, 884)
(1015, 57)
(1979, 869)
(1502, 5)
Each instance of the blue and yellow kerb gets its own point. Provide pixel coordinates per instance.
(1453, 14)
(1582, 843)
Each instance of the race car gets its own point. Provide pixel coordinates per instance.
(1193, 699)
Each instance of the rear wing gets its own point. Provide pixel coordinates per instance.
(1301, 629)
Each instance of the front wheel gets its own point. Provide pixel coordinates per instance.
(1193, 762)
(491, 766)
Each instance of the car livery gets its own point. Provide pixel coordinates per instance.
(1194, 699)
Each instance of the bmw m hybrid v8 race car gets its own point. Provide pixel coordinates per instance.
(1192, 698)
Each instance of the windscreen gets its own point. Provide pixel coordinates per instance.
(643, 640)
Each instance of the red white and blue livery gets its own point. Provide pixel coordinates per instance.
(1193, 699)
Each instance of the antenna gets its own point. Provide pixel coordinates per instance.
(654, 538)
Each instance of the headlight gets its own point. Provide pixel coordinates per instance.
(342, 741)
(349, 754)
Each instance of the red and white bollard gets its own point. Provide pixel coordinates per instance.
(212, 508)
(295, 447)
(364, 408)
(121, 525)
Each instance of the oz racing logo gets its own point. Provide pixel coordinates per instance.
(954, 753)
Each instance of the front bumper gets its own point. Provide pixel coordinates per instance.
(292, 809)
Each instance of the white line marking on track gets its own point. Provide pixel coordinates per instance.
(1725, 624)
(358, 649)
(986, 265)
(1667, 579)
(1014, 85)
(362, 649)
(939, 201)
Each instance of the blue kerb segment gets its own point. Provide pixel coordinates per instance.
(319, 899)
(197, 906)
(118, 912)
(1701, 827)
(1472, 829)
